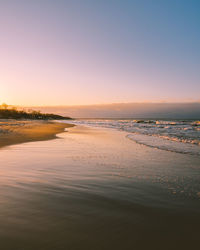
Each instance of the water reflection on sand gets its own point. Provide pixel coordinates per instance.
(95, 189)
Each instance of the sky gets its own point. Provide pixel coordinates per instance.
(81, 52)
(129, 110)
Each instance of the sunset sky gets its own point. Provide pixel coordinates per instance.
(73, 52)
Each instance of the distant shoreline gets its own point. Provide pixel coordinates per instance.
(16, 132)
(7, 112)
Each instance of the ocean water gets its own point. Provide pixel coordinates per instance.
(96, 189)
(182, 136)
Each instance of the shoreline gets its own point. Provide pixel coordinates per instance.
(16, 132)
(96, 180)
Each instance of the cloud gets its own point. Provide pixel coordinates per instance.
(130, 110)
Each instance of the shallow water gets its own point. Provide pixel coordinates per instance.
(95, 189)
(181, 136)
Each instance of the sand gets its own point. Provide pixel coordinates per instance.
(14, 132)
(96, 189)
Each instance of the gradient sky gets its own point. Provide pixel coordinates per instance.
(99, 51)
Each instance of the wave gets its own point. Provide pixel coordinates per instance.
(175, 135)
(196, 123)
(165, 144)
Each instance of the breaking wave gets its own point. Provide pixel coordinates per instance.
(181, 136)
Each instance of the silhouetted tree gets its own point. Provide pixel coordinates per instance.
(4, 106)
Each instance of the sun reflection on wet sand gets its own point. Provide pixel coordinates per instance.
(95, 189)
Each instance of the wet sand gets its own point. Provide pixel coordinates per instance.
(14, 132)
(96, 189)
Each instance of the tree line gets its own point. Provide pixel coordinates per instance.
(11, 112)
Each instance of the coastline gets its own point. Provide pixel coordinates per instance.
(96, 180)
(16, 132)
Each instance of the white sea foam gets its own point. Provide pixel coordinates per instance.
(173, 135)
(165, 144)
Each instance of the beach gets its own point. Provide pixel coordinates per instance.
(14, 131)
(94, 188)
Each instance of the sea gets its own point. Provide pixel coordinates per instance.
(181, 136)
(96, 189)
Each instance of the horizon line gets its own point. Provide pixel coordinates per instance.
(113, 103)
